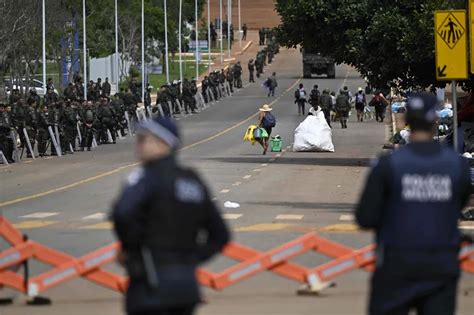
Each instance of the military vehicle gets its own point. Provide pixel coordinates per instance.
(315, 63)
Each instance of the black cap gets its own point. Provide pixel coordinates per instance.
(421, 111)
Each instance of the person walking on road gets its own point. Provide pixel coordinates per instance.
(360, 103)
(272, 84)
(343, 107)
(326, 105)
(380, 103)
(267, 121)
(244, 32)
(158, 218)
(413, 199)
(300, 99)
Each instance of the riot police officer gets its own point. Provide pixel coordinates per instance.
(70, 127)
(157, 218)
(6, 142)
(413, 200)
(107, 117)
(238, 75)
(251, 67)
(31, 121)
(43, 134)
(88, 117)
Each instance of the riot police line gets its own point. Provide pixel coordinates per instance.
(66, 125)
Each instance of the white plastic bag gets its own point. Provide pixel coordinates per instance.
(313, 135)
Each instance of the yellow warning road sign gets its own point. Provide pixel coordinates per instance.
(451, 45)
(471, 30)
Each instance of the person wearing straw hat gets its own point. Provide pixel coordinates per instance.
(267, 121)
(360, 103)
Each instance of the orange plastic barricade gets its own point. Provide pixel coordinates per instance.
(251, 262)
(264, 261)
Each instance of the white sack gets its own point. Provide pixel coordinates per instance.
(313, 135)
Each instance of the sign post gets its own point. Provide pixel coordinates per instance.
(451, 53)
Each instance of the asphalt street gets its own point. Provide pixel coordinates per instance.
(64, 202)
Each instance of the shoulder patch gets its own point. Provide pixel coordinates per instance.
(189, 190)
(135, 176)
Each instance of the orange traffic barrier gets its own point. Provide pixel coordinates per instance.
(251, 262)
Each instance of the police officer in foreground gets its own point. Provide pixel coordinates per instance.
(167, 224)
(413, 200)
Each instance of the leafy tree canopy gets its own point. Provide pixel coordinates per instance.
(387, 41)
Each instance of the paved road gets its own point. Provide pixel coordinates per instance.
(64, 202)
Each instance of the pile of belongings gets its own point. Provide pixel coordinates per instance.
(313, 134)
(254, 134)
(398, 107)
(445, 116)
(402, 137)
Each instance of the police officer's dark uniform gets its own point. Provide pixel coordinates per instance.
(6, 142)
(158, 218)
(413, 200)
(251, 67)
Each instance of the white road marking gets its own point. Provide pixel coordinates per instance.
(278, 155)
(232, 216)
(264, 165)
(39, 215)
(257, 170)
(237, 184)
(289, 217)
(247, 177)
(224, 191)
(346, 217)
(96, 216)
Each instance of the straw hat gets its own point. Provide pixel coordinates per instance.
(360, 89)
(266, 108)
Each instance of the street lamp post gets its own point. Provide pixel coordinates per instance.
(221, 32)
(84, 48)
(179, 41)
(209, 35)
(229, 21)
(117, 65)
(166, 42)
(44, 47)
(143, 51)
(197, 38)
(240, 28)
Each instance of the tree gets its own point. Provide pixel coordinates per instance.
(390, 42)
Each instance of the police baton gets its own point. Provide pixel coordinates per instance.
(150, 270)
(30, 148)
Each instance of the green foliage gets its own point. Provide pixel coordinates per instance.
(388, 41)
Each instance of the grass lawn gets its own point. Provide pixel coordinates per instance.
(189, 71)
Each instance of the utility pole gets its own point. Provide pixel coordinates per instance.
(44, 48)
(84, 48)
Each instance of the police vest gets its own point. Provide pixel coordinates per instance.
(423, 201)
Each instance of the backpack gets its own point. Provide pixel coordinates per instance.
(269, 121)
(315, 95)
(297, 94)
(360, 98)
(301, 94)
(341, 103)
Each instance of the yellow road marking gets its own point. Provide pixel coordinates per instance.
(33, 224)
(121, 168)
(99, 226)
(263, 227)
(87, 180)
(341, 228)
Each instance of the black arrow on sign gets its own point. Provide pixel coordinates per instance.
(441, 72)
